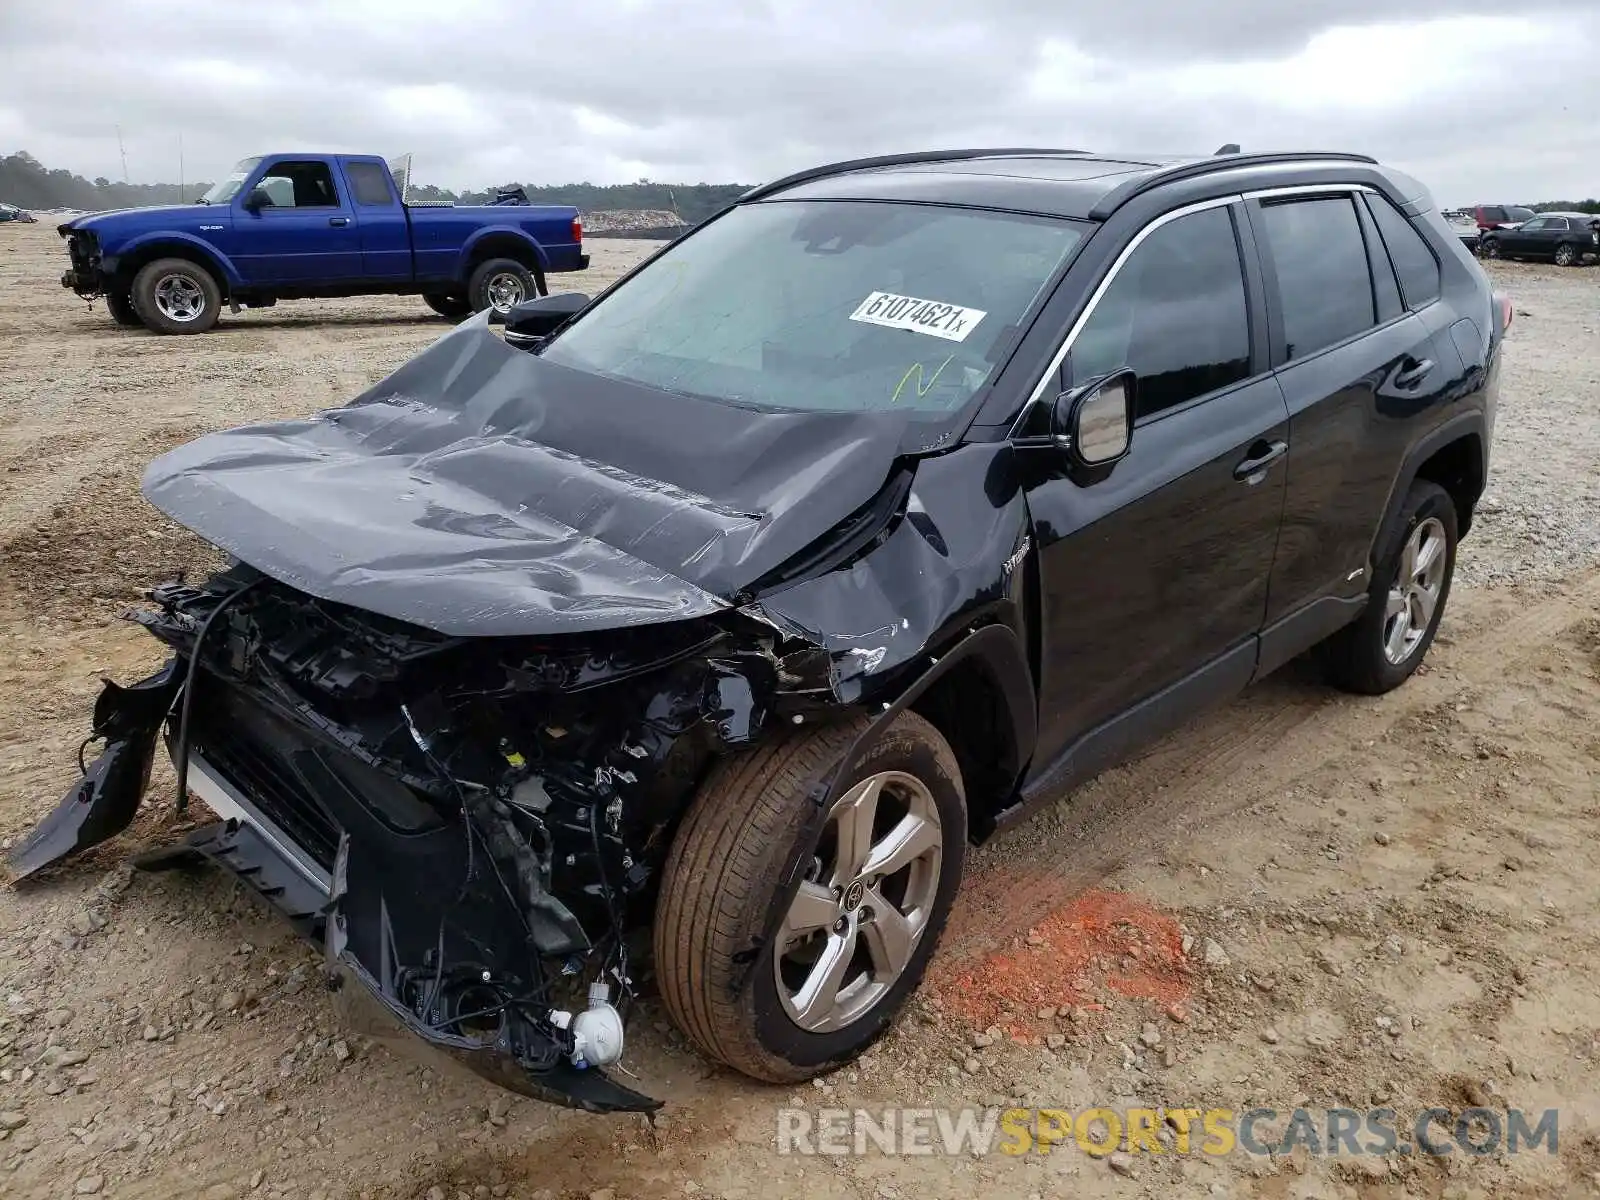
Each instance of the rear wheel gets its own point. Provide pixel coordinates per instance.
(174, 295)
(500, 283)
(1405, 603)
(120, 306)
(454, 307)
(856, 936)
(1566, 255)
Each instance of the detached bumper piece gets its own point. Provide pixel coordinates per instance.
(103, 803)
(436, 924)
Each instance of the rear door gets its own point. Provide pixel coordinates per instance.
(1359, 361)
(1154, 577)
(307, 235)
(385, 236)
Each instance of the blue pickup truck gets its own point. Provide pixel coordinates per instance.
(294, 226)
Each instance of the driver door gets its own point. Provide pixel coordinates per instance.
(307, 235)
(1153, 578)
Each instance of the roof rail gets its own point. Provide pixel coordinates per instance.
(1123, 192)
(890, 160)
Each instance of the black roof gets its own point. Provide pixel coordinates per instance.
(1065, 183)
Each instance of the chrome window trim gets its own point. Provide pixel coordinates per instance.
(1050, 371)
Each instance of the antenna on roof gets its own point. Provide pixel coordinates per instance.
(1230, 148)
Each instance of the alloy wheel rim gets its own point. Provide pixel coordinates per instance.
(179, 298)
(504, 290)
(1414, 594)
(1563, 256)
(863, 906)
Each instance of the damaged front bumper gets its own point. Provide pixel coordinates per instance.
(87, 272)
(416, 924)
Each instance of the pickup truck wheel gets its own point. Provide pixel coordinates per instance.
(857, 935)
(453, 307)
(500, 283)
(174, 295)
(120, 306)
(1405, 603)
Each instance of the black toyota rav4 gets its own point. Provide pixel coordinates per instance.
(903, 494)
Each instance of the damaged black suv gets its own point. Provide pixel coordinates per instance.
(726, 608)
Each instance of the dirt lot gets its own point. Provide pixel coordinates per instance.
(1303, 899)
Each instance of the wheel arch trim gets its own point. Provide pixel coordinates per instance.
(1465, 425)
(999, 650)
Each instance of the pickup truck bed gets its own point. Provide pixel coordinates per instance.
(294, 226)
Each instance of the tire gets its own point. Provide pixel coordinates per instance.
(169, 287)
(1567, 255)
(120, 306)
(1488, 248)
(454, 307)
(500, 276)
(1365, 657)
(723, 875)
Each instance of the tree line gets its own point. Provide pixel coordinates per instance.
(26, 182)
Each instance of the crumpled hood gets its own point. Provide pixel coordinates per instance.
(480, 490)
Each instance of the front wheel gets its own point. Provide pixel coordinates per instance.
(174, 295)
(1488, 248)
(855, 939)
(1387, 643)
(500, 284)
(120, 306)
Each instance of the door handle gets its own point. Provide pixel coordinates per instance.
(1413, 372)
(1252, 469)
(338, 220)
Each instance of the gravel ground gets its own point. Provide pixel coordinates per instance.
(1303, 898)
(1540, 516)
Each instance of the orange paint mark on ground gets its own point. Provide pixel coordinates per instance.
(1102, 941)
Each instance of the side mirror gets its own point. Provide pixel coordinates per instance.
(258, 199)
(531, 321)
(1094, 423)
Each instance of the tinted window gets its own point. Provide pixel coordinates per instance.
(1492, 214)
(1323, 282)
(826, 305)
(300, 185)
(370, 183)
(1175, 313)
(1408, 251)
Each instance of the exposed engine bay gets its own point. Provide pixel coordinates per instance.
(471, 826)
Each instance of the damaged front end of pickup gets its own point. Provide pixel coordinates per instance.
(470, 827)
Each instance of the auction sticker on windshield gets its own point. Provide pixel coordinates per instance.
(949, 321)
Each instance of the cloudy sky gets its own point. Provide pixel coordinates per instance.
(1482, 99)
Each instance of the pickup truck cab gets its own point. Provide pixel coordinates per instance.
(296, 226)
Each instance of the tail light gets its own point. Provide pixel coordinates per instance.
(1506, 312)
(577, 229)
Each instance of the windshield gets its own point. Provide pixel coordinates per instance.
(826, 306)
(226, 189)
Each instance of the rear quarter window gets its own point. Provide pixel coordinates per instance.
(370, 183)
(1409, 251)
